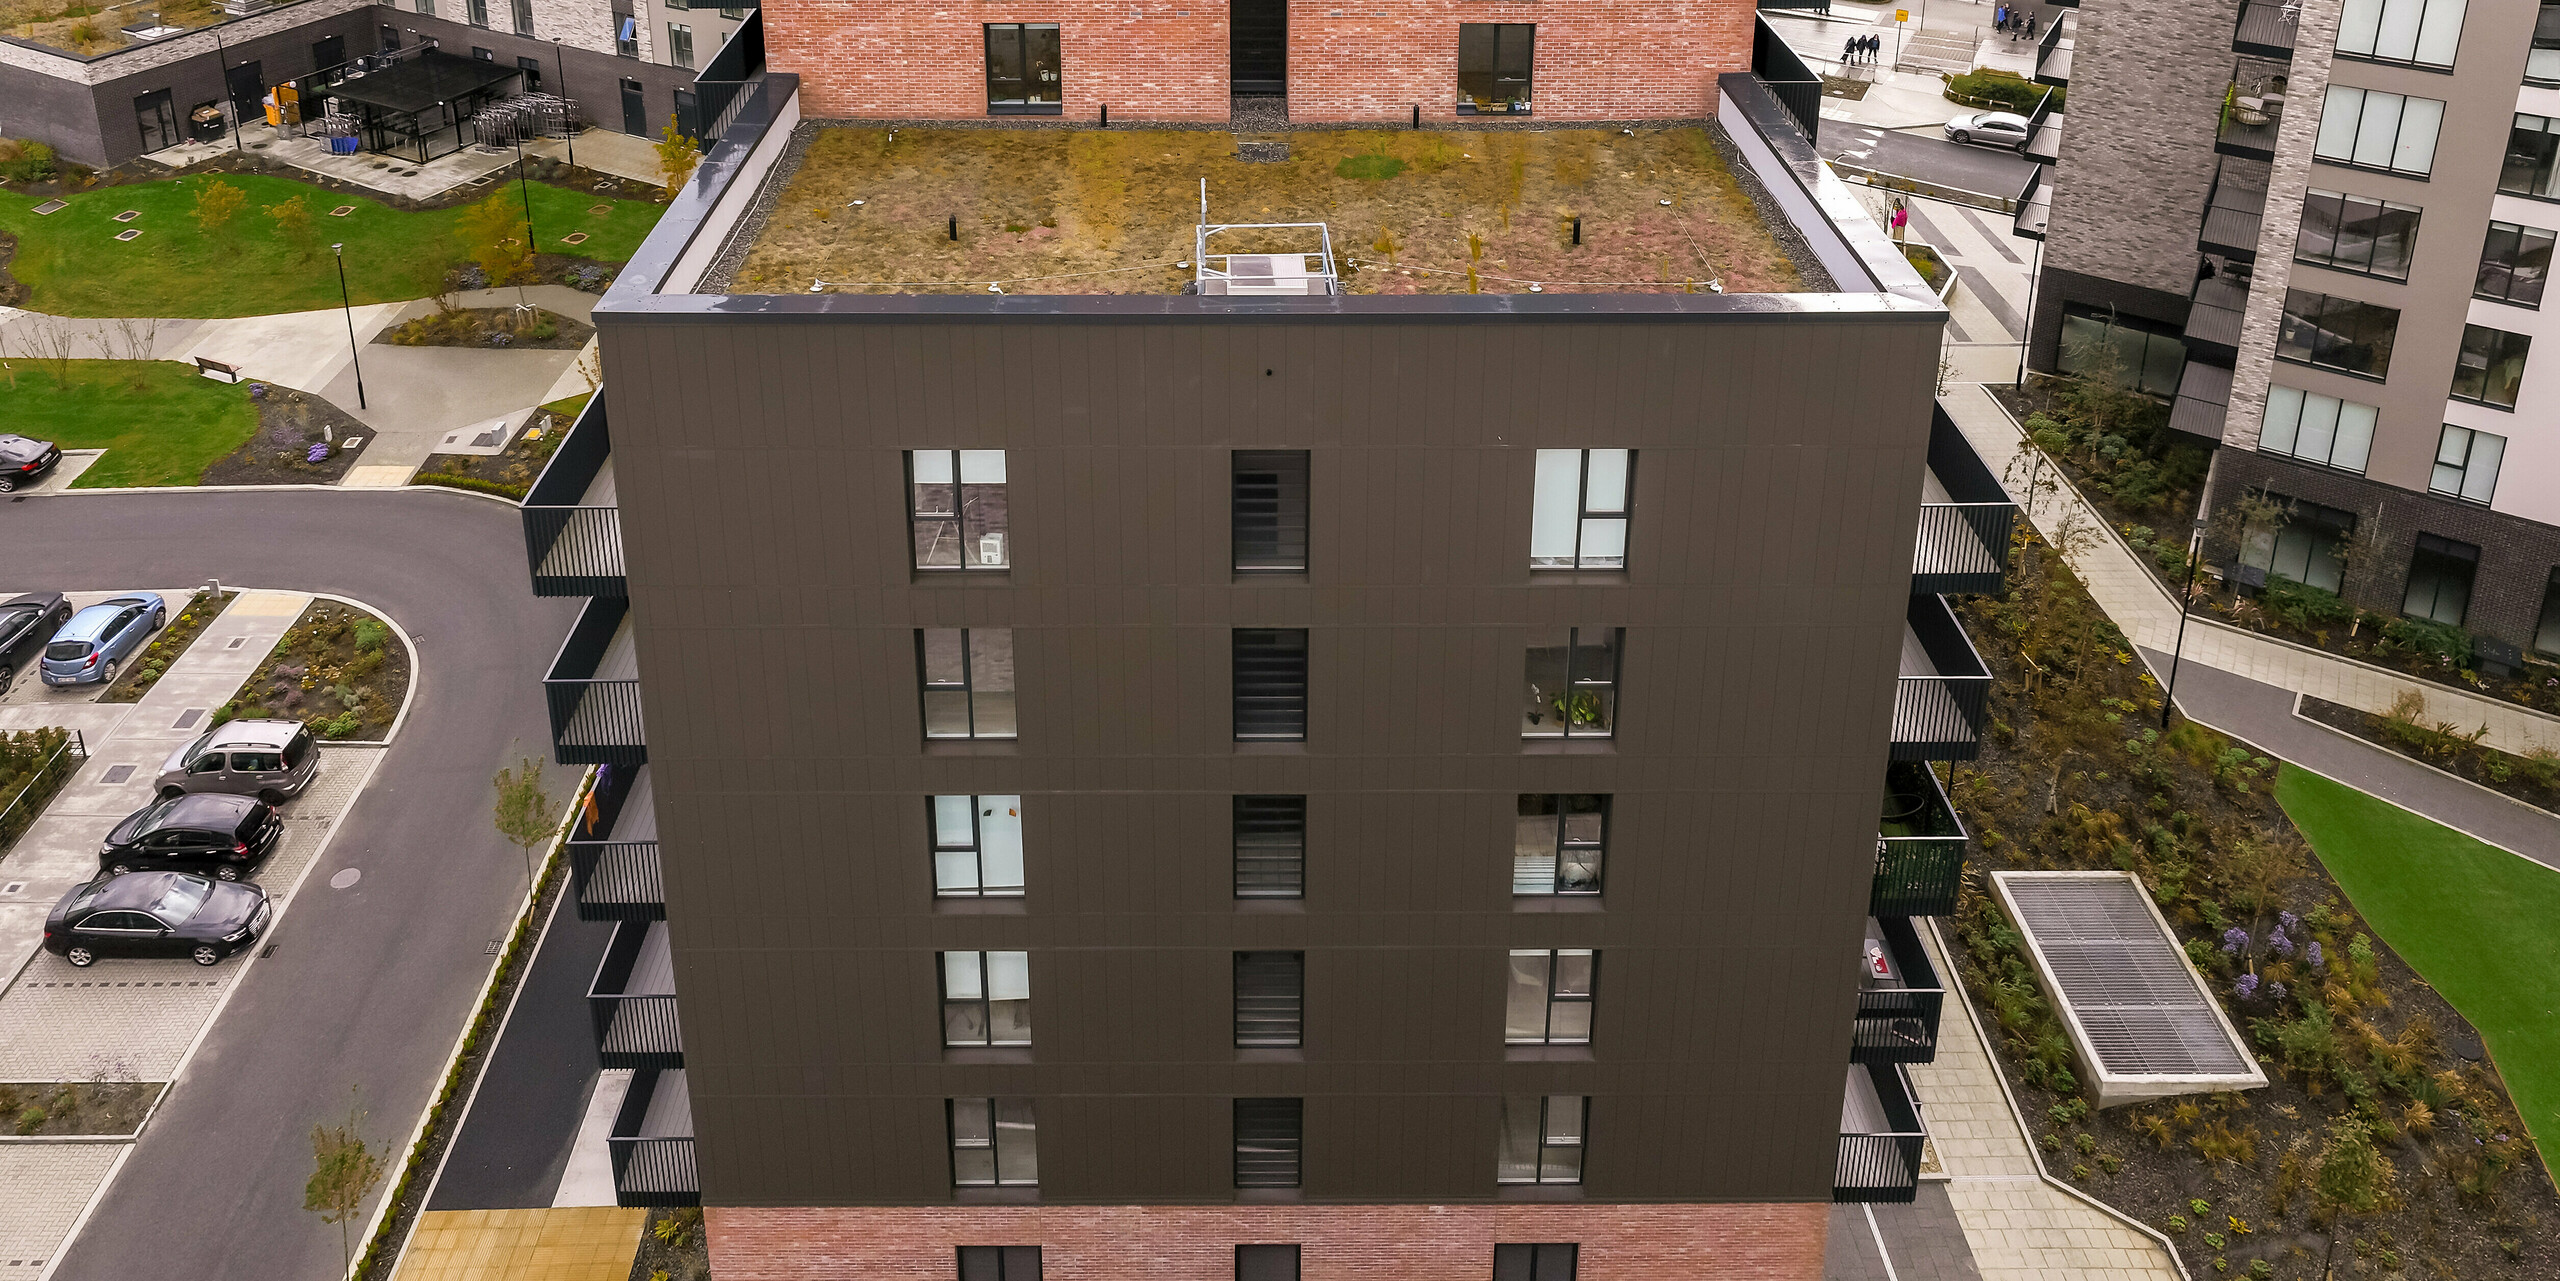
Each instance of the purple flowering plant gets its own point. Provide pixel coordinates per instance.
(2318, 963)
(2245, 987)
(2280, 945)
(2235, 940)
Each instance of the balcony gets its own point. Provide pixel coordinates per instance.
(2248, 125)
(2204, 400)
(2053, 52)
(2234, 208)
(1899, 997)
(594, 690)
(2035, 204)
(1920, 845)
(613, 863)
(633, 999)
(1965, 518)
(1937, 708)
(2044, 130)
(652, 1142)
(2215, 312)
(572, 528)
(1880, 1138)
(2266, 29)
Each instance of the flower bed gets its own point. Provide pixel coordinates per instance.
(77, 1107)
(338, 668)
(2409, 730)
(511, 472)
(153, 662)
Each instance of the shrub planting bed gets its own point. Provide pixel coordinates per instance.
(76, 1107)
(511, 473)
(144, 669)
(2411, 730)
(338, 669)
(33, 767)
(490, 327)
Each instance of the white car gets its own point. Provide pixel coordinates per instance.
(1990, 128)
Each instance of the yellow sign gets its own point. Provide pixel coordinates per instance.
(1902, 15)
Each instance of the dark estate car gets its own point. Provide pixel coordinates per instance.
(23, 462)
(156, 914)
(25, 625)
(218, 834)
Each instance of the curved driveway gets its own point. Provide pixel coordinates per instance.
(368, 986)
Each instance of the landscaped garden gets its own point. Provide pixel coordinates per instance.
(147, 667)
(338, 669)
(512, 471)
(159, 422)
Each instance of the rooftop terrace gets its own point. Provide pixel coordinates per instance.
(1047, 211)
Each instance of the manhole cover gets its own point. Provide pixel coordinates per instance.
(128, 215)
(53, 206)
(345, 878)
(129, 233)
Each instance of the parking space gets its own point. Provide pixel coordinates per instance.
(49, 1185)
(29, 702)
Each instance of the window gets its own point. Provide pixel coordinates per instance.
(734, 15)
(1550, 997)
(2317, 429)
(1271, 847)
(427, 7)
(1542, 1138)
(1270, 1000)
(1270, 509)
(956, 499)
(680, 44)
(1266, 1263)
(2546, 629)
(2309, 545)
(1573, 683)
(2542, 64)
(257, 762)
(986, 998)
(523, 17)
(1271, 683)
(2132, 353)
(1267, 1142)
(1557, 846)
(999, 1263)
(993, 1143)
(626, 44)
(2440, 571)
(2357, 233)
(2419, 32)
(1578, 513)
(2337, 333)
(968, 681)
(2467, 464)
(390, 38)
(2489, 366)
(2532, 165)
(483, 55)
(2513, 264)
(977, 846)
(1493, 65)
(478, 10)
(2370, 129)
(1022, 68)
(1535, 1262)
(531, 67)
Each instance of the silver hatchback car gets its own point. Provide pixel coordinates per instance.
(271, 760)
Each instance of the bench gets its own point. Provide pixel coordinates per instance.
(218, 369)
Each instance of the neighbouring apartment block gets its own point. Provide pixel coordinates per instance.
(2322, 231)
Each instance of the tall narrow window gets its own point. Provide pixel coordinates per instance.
(1494, 61)
(1271, 683)
(1535, 1262)
(2357, 233)
(968, 681)
(2546, 628)
(1542, 1138)
(1266, 1263)
(680, 45)
(956, 499)
(2490, 366)
(2417, 32)
(2514, 263)
(1578, 512)
(2467, 464)
(2440, 574)
(1267, 1142)
(1270, 1000)
(2542, 63)
(523, 16)
(986, 998)
(2317, 429)
(1573, 683)
(999, 1263)
(1271, 846)
(1557, 846)
(977, 846)
(994, 1143)
(1023, 68)
(478, 12)
(2370, 129)
(2532, 165)
(1550, 997)
(1270, 509)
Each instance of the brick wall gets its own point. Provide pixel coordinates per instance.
(1337, 1242)
(1155, 60)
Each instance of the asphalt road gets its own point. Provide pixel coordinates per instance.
(370, 985)
(1987, 170)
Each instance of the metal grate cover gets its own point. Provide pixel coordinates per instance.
(2121, 977)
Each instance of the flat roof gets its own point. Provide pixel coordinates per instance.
(924, 210)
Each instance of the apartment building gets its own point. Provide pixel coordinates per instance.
(2324, 230)
(1267, 781)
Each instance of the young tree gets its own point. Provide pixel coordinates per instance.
(344, 1171)
(216, 201)
(678, 153)
(293, 222)
(526, 814)
(495, 236)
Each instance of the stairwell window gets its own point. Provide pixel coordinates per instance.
(2318, 429)
(986, 998)
(1550, 995)
(1542, 1138)
(1271, 997)
(977, 846)
(2467, 464)
(2514, 264)
(1270, 684)
(1024, 70)
(1572, 683)
(2418, 33)
(2370, 129)
(2357, 233)
(957, 509)
(1557, 846)
(1579, 510)
(1268, 1142)
(1271, 846)
(968, 681)
(1270, 510)
(2490, 366)
(994, 1143)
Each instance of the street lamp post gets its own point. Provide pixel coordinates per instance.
(222, 64)
(524, 189)
(2195, 552)
(347, 306)
(569, 126)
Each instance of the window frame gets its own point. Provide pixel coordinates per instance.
(520, 18)
(1026, 105)
(1245, 818)
(985, 1001)
(1515, 1261)
(998, 1263)
(994, 1147)
(2546, 39)
(1547, 1140)
(2113, 322)
(1597, 849)
(680, 45)
(1267, 961)
(2546, 623)
(1555, 996)
(1289, 477)
(2303, 411)
(967, 685)
(976, 848)
(1269, 706)
(2443, 552)
(1494, 35)
(1296, 1259)
(2544, 160)
(1293, 1146)
(2320, 533)
(2289, 319)
(2345, 201)
(972, 551)
(2356, 131)
(1607, 690)
(1585, 516)
(476, 13)
(2465, 462)
(2523, 234)
(2502, 346)
(2418, 33)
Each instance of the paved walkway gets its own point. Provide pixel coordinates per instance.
(587, 1244)
(1922, 1241)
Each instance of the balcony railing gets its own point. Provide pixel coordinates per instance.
(1897, 1009)
(1965, 517)
(613, 864)
(1920, 845)
(1880, 1138)
(1937, 709)
(652, 1142)
(1787, 78)
(2267, 29)
(572, 527)
(2053, 54)
(594, 690)
(633, 1000)
(2044, 129)
(2234, 208)
(2035, 205)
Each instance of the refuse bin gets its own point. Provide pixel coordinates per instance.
(205, 123)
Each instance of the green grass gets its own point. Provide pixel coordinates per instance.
(75, 266)
(2474, 921)
(160, 423)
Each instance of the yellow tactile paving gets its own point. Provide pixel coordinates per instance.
(584, 1243)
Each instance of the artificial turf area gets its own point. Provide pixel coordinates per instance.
(160, 423)
(2475, 921)
(175, 269)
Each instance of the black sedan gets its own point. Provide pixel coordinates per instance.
(156, 914)
(25, 625)
(23, 462)
(217, 834)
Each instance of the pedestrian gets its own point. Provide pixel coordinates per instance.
(2031, 26)
(2000, 18)
(1848, 49)
(1875, 45)
(1901, 216)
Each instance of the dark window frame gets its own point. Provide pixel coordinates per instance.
(983, 1003)
(976, 848)
(1506, 82)
(1585, 516)
(967, 685)
(1579, 1142)
(2365, 103)
(2435, 557)
(1024, 103)
(1267, 1132)
(2149, 330)
(2497, 279)
(1269, 496)
(1546, 1261)
(1269, 1262)
(2346, 205)
(956, 522)
(2546, 40)
(1260, 975)
(1606, 691)
(1595, 850)
(2498, 347)
(2546, 626)
(2464, 466)
(1261, 872)
(996, 1107)
(2320, 534)
(999, 1263)
(1588, 997)
(2325, 346)
(1277, 715)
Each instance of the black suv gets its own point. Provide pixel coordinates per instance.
(213, 833)
(25, 625)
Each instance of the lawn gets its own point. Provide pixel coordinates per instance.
(159, 421)
(2476, 921)
(76, 267)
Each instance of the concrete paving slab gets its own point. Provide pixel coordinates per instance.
(620, 154)
(49, 1185)
(303, 350)
(74, 462)
(391, 476)
(577, 1244)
